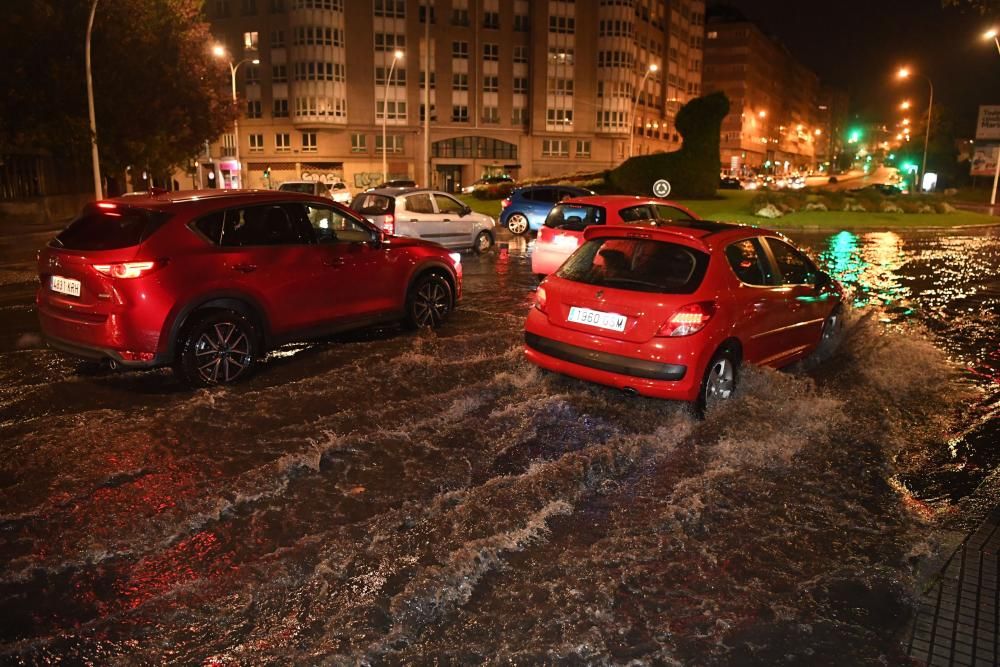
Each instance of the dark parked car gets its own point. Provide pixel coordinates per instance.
(730, 183)
(882, 188)
(489, 180)
(207, 281)
(398, 183)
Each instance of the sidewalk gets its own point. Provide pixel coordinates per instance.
(956, 621)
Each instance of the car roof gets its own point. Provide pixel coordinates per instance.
(399, 192)
(550, 185)
(703, 234)
(193, 199)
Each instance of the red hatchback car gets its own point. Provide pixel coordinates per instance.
(208, 281)
(566, 222)
(671, 309)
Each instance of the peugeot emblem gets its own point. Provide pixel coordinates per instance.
(600, 293)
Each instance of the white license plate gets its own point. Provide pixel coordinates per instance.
(65, 285)
(596, 318)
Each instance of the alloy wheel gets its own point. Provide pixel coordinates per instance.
(721, 381)
(431, 304)
(222, 353)
(517, 224)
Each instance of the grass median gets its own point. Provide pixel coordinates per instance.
(734, 206)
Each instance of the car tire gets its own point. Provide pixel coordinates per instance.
(829, 337)
(517, 224)
(218, 347)
(483, 243)
(429, 302)
(718, 382)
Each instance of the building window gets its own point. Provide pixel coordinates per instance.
(422, 77)
(389, 41)
(460, 50)
(582, 148)
(559, 116)
(518, 116)
(277, 6)
(555, 147)
(423, 112)
(491, 115)
(460, 17)
(391, 110)
(253, 109)
(359, 143)
(712, 34)
(253, 76)
(562, 24)
(560, 56)
(279, 74)
(491, 20)
(520, 54)
(391, 8)
(423, 12)
(460, 81)
(561, 86)
(282, 142)
(398, 76)
(393, 142)
(491, 52)
(222, 8)
(277, 39)
(250, 41)
(280, 109)
(491, 84)
(460, 114)
(256, 143)
(308, 142)
(249, 7)
(521, 22)
(520, 84)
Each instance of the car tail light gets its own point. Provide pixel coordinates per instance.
(540, 298)
(688, 320)
(504, 203)
(389, 224)
(125, 269)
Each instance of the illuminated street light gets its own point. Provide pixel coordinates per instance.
(396, 56)
(635, 104)
(818, 132)
(906, 121)
(905, 105)
(903, 73)
(993, 33)
(220, 52)
(762, 114)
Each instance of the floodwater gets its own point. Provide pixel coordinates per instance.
(389, 497)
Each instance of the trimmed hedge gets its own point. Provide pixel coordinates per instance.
(693, 171)
(847, 202)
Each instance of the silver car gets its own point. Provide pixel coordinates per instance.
(429, 215)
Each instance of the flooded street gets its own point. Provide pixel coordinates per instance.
(390, 497)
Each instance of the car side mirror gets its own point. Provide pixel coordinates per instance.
(466, 211)
(376, 239)
(822, 280)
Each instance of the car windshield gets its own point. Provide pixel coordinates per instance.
(304, 188)
(110, 227)
(641, 265)
(575, 217)
(372, 204)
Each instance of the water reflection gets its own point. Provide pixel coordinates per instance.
(869, 265)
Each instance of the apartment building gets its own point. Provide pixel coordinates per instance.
(530, 88)
(775, 120)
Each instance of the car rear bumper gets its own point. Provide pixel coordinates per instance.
(568, 353)
(100, 354)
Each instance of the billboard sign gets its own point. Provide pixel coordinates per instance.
(984, 159)
(988, 125)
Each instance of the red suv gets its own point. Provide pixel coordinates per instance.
(208, 281)
(671, 309)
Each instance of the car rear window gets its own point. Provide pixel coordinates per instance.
(111, 228)
(372, 204)
(641, 265)
(304, 188)
(575, 217)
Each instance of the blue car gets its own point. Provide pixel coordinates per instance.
(526, 208)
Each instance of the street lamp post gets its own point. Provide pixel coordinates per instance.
(635, 104)
(993, 34)
(396, 55)
(95, 158)
(904, 73)
(220, 52)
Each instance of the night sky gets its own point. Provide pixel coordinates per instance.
(857, 46)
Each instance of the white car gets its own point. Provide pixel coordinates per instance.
(338, 191)
(429, 215)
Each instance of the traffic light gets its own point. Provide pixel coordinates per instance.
(854, 135)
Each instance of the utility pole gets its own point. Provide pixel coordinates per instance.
(428, 8)
(95, 158)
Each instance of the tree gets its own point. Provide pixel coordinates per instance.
(159, 93)
(982, 6)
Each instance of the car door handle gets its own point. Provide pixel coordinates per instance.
(334, 261)
(245, 268)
